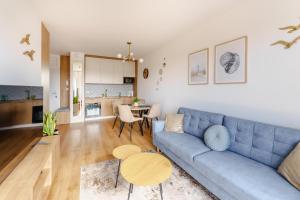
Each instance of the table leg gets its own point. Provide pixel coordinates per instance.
(161, 191)
(129, 191)
(118, 173)
(131, 188)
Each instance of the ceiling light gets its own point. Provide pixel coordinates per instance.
(129, 56)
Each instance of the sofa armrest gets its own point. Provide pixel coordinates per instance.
(158, 126)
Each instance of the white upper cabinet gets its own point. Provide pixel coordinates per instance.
(106, 71)
(92, 70)
(129, 69)
(118, 72)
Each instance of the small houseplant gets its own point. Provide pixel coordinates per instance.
(136, 101)
(49, 124)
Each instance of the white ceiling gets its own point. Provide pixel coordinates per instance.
(104, 26)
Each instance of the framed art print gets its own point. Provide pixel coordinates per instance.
(198, 67)
(231, 62)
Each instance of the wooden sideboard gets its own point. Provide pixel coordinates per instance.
(33, 177)
(17, 112)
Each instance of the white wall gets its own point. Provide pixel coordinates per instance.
(17, 18)
(272, 94)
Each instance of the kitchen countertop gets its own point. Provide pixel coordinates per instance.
(20, 100)
(108, 97)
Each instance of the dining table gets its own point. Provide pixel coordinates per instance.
(140, 109)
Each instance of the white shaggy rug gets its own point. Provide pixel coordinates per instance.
(97, 181)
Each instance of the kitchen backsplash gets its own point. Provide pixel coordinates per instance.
(8, 92)
(97, 90)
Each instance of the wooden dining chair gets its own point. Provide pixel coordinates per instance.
(126, 116)
(154, 113)
(116, 110)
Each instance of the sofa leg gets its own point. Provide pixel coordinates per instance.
(157, 149)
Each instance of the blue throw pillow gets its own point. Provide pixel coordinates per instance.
(217, 138)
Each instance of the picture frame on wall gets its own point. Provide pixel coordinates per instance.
(231, 62)
(198, 64)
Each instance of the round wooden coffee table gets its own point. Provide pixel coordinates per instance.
(146, 169)
(123, 152)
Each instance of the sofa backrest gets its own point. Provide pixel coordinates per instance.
(196, 122)
(264, 143)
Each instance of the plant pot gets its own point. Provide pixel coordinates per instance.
(135, 104)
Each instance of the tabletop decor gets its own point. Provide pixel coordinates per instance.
(231, 61)
(136, 102)
(97, 181)
(198, 67)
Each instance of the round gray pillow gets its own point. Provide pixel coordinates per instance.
(217, 138)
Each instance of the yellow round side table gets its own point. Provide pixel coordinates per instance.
(123, 152)
(146, 169)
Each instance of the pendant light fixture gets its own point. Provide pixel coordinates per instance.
(130, 56)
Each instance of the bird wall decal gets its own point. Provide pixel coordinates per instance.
(291, 29)
(286, 44)
(29, 54)
(26, 39)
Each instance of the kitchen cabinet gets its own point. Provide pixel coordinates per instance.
(103, 71)
(107, 102)
(92, 71)
(17, 112)
(128, 69)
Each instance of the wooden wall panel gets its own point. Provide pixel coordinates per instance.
(64, 81)
(135, 85)
(45, 66)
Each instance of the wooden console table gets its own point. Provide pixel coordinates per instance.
(32, 178)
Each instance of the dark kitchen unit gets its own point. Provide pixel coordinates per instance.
(128, 80)
(37, 114)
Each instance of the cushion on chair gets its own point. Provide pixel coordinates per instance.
(174, 123)
(217, 138)
(290, 167)
(244, 178)
(196, 122)
(183, 145)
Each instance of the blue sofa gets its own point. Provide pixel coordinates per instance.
(246, 171)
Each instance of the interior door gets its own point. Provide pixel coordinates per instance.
(54, 97)
(54, 87)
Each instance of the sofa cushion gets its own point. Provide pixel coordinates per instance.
(195, 122)
(290, 167)
(174, 123)
(264, 143)
(183, 145)
(244, 178)
(217, 138)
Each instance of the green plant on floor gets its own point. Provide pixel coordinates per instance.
(49, 124)
(75, 100)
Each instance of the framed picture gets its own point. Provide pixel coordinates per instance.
(231, 62)
(198, 67)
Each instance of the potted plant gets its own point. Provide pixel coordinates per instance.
(76, 105)
(49, 124)
(136, 102)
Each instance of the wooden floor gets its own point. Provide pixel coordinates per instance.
(87, 143)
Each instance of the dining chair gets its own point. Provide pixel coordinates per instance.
(116, 110)
(154, 113)
(126, 116)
